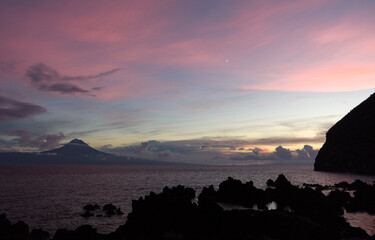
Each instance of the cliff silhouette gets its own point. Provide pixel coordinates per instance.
(350, 143)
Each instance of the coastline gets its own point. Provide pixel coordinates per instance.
(173, 215)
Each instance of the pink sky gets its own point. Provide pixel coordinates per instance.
(177, 69)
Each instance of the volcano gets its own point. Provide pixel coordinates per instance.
(77, 148)
(72, 153)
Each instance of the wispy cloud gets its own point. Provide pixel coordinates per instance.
(8, 66)
(11, 109)
(288, 140)
(47, 79)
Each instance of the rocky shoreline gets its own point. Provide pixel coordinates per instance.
(281, 211)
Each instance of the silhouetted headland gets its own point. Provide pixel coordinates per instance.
(74, 152)
(235, 211)
(350, 143)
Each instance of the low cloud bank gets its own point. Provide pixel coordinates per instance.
(214, 152)
(281, 154)
(30, 140)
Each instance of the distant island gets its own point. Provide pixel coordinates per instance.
(74, 152)
(350, 143)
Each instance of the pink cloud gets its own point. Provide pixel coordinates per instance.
(327, 78)
(84, 38)
(323, 56)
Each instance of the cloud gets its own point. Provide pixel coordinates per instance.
(283, 153)
(35, 140)
(155, 149)
(218, 146)
(307, 153)
(64, 88)
(8, 66)
(291, 140)
(256, 151)
(13, 110)
(164, 154)
(212, 147)
(143, 148)
(48, 79)
(211, 151)
(254, 157)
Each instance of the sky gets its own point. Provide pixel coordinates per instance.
(197, 81)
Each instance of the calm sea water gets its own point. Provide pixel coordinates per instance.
(52, 197)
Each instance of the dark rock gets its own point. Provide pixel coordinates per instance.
(62, 234)
(270, 183)
(236, 192)
(340, 197)
(302, 213)
(343, 185)
(173, 214)
(364, 198)
(109, 207)
(349, 145)
(208, 202)
(110, 210)
(282, 182)
(85, 232)
(18, 231)
(358, 184)
(317, 186)
(91, 207)
(39, 234)
(110, 213)
(4, 225)
(87, 214)
(119, 212)
(170, 211)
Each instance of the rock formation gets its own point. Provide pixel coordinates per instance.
(350, 143)
(175, 213)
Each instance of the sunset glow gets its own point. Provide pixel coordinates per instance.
(198, 76)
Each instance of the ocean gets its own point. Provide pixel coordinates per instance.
(52, 197)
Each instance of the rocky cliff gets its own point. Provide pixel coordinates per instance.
(350, 143)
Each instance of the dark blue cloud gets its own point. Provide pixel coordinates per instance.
(11, 109)
(38, 141)
(48, 79)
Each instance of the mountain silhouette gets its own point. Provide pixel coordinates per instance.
(350, 143)
(74, 152)
(75, 148)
